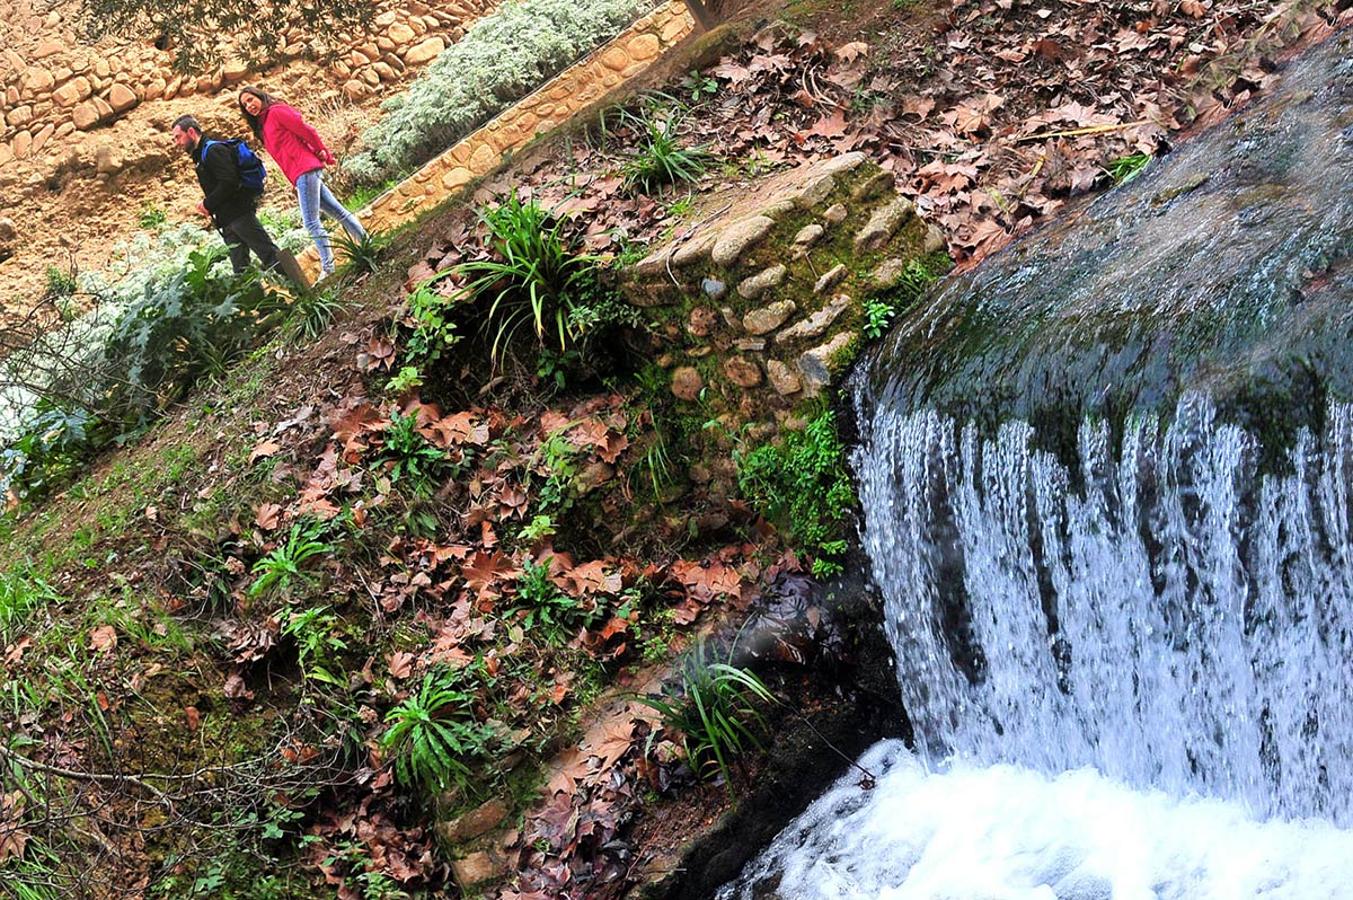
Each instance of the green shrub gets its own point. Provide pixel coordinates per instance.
(543, 606)
(316, 633)
(432, 326)
(313, 312)
(185, 326)
(534, 278)
(60, 283)
(54, 443)
(802, 485)
(409, 457)
(715, 711)
(659, 159)
(433, 733)
(502, 57)
(360, 257)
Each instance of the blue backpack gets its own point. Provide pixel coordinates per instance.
(252, 174)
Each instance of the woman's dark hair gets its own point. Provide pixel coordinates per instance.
(255, 122)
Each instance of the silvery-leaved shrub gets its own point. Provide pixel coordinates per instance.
(502, 58)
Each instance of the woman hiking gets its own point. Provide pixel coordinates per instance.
(302, 156)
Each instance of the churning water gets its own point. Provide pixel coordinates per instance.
(1107, 482)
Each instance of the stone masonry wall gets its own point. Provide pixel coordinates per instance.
(551, 105)
(54, 86)
(765, 297)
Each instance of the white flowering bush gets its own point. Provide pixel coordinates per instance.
(502, 58)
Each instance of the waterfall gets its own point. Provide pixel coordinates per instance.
(1176, 619)
(1129, 677)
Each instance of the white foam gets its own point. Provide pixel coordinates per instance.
(1005, 832)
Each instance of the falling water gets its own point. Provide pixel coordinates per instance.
(1130, 680)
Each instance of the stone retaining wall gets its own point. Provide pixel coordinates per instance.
(765, 297)
(551, 105)
(52, 85)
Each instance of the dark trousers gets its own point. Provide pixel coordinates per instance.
(245, 234)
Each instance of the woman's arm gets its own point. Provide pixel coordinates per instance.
(291, 120)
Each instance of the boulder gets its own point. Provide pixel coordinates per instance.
(425, 51)
(122, 98)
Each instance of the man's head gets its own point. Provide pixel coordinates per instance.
(187, 133)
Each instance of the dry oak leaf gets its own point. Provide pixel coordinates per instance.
(483, 569)
(268, 516)
(401, 664)
(103, 638)
(263, 449)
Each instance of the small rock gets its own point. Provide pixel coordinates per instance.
(106, 161)
(424, 51)
(836, 214)
(816, 191)
(830, 279)
(738, 237)
(783, 378)
(687, 384)
(817, 324)
(714, 288)
(122, 98)
(478, 868)
(750, 345)
(650, 265)
(758, 284)
(730, 318)
(700, 473)
(818, 365)
(475, 822)
(934, 240)
(742, 371)
(846, 162)
(702, 321)
(693, 251)
(7, 231)
(699, 352)
(883, 224)
(593, 476)
(768, 318)
(875, 185)
(809, 235)
(889, 273)
(778, 209)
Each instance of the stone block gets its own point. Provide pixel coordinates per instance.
(20, 116)
(809, 235)
(739, 237)
(883, 224)
(122, 98)
(478, 868)
(830, 279)
(401, 33)
(687, 384)
(475, 822)
(73, 91)
(644, 47)
(742, 371)
(757, 285)
(784, 379)
(768, 318)
(836, 214)
(818, 365)
(425, 51)
(817, 324)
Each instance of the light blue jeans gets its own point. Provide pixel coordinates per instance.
(315, 199)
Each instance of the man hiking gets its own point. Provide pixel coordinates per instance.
(230, 202)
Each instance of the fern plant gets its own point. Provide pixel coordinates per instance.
(315, 632)
(715, 710)
(283, 568)
(433, 732)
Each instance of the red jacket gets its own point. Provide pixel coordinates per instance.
(295, 146)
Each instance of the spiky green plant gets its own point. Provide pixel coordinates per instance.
(363, 256)
(715, 711)
(313, 312)
(21, 592)
(409, 457)
(433, 733)
(316, 633)
(533, 279)
(659, 158)
(284, 566)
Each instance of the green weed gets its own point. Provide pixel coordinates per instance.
(21, 592)
(360, 257)
(1125, 168)
(715, 711)
(284, 567)
(316, 633)
(313, 312)
(659, 158)
(802, 484)
(409, 457)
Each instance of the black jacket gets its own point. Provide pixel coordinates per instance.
(224, 197)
